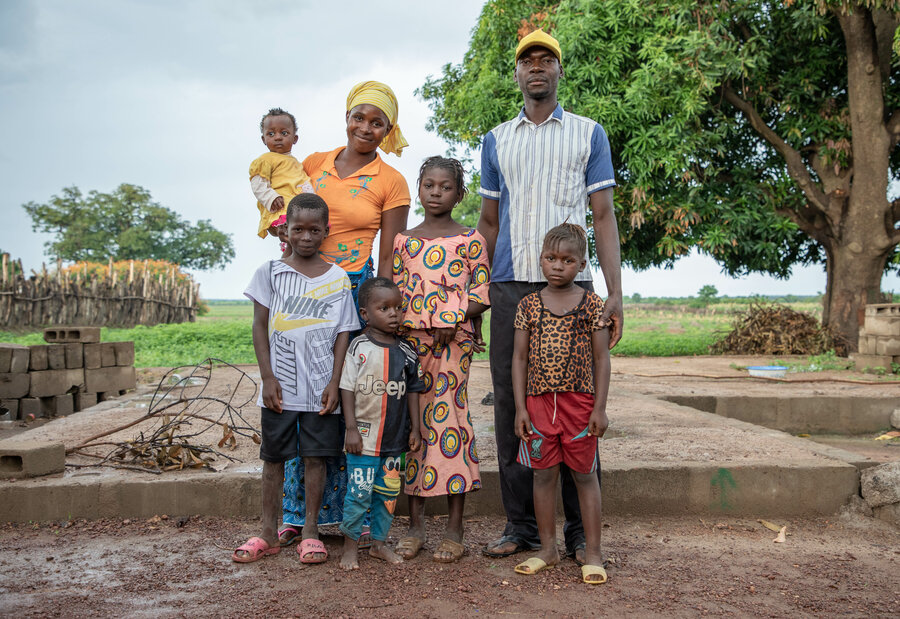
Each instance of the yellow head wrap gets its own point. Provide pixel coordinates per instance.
(381, 96)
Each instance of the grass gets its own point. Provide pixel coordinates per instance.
(652, 329)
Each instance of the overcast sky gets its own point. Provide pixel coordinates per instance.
(168, 95)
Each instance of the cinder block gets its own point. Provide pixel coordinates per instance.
(13, 358)
(56, 357)
(864, 345)
(74, 355)
(24, 458)
(29, 406)
(862, 362)
(14, 385)
(38, 357)
(62, 335)
(124, 353)
(882, 325)
(887, 345)
(92, 356)
(11, 407)
(883, 309)
(58, 405)
(107, 354)
(54, 382)
(109, 379)
(84, 399)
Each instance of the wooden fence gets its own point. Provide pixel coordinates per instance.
(140, 295)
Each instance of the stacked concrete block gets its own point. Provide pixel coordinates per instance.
(73, 371)
(24, 458)
(879, 337)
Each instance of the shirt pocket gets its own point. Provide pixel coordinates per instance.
(568, 185)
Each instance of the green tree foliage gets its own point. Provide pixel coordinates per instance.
(708, 293)
(126, 224)
(761, 133)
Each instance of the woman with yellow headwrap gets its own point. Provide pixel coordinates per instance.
(364, 195)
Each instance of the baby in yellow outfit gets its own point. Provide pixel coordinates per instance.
(277, 176)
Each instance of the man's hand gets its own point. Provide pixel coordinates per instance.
(612, 314)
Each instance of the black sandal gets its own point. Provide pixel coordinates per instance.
(521, 546)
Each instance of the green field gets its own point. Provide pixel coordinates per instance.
(653, 328)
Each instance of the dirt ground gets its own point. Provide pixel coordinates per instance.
(181, 567)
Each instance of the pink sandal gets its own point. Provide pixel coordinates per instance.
(292, 534)
(309, 547)
(256, 548)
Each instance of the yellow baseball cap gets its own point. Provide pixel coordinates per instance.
(539, 38)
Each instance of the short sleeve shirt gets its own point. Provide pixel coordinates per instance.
(380, 377)
(560, 356)
(541, 176)
(355, 205)
(306, 314)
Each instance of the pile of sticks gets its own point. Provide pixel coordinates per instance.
(777, 330)
(184, 408)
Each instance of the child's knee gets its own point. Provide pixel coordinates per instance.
(586, 480)
(545, 477)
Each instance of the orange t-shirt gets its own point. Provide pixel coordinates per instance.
(355, 205)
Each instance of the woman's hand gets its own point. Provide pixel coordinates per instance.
(277, 204)
(415, 441)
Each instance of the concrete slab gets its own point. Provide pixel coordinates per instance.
(658, 458)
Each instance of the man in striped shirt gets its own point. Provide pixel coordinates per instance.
(543, 168)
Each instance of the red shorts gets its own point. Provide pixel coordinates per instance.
(559, 422)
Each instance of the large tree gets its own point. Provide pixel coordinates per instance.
(126, 224)
(762, 133)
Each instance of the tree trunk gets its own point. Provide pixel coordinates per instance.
(854, 280)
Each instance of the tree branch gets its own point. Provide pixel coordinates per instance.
(810, 220)
(895, 211)
(793, 159)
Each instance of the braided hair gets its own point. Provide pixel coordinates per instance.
(569, 233)
(449, 164)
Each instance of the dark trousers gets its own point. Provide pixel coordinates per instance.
(516, 480)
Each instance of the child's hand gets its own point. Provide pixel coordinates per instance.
(478, 335)
(598, 423)
(415, 441)
(444, 335)
(271, 394)
(330, 398)
(523, 425)
(353, 441)
(277, 204)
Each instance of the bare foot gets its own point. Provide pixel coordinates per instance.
(380, 550)
(349, 559)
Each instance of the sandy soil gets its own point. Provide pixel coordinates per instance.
(181, 567)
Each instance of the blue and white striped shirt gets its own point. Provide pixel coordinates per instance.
(541, 175)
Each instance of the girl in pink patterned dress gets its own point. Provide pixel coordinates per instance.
(442, 270)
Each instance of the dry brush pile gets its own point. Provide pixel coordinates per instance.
(778, 330)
